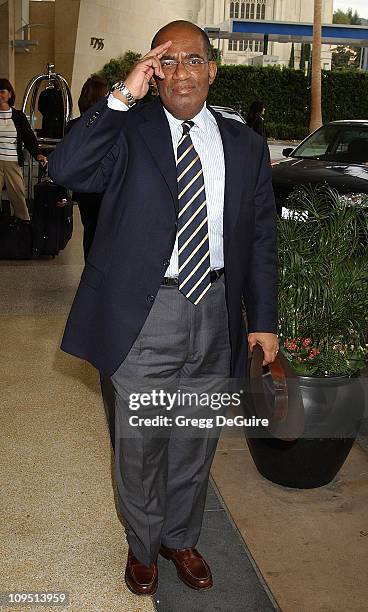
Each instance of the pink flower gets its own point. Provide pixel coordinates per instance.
(306, 342)
(292, 346)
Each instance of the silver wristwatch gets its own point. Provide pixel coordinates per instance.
(120, 85)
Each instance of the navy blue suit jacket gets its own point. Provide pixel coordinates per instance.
(129, 156)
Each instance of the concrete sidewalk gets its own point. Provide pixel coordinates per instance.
(311, 546)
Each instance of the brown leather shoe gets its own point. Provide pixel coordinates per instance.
(191, 567)
(140, 579)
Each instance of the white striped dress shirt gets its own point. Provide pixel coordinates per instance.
(207, 142)
(8, 137)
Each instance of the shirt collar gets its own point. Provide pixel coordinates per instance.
(201, 121)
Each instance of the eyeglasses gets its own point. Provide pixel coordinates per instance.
(191, 63)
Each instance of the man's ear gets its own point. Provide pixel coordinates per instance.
(212, 71)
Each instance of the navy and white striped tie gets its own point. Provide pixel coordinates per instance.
(193, 243)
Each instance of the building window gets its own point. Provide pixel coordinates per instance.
(253, 46)
(241, 9)
(234, 10)
(258, 46)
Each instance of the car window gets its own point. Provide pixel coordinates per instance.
(318, 144)
(229, 113)
(351, 145)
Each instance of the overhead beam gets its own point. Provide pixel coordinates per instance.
(280, 31)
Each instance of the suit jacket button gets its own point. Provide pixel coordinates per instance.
(166, 262)
(150, 298)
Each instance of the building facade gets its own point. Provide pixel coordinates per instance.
(243, 51)
(80, 36)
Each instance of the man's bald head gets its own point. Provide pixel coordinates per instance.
(183, 89)
(182, 25)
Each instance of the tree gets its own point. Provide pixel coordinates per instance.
(316, 80)
(340, 17)
(118, 69)
(347, 17)
(305, 57)
(346, 56)
(292, 57)
(354, 18)
(302, 57)
(308, 58)
(216, 55)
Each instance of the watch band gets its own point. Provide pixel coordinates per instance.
(120, 85)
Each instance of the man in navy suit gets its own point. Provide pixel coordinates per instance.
(186, 230)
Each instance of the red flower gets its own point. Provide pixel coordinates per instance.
(306, 342)
(287, 342)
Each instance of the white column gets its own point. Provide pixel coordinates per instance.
(7, 66)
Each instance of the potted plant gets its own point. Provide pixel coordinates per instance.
(314, 393)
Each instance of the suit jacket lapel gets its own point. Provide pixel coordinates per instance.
(234, 172)
(155, 131)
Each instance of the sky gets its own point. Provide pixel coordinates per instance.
(361, 6)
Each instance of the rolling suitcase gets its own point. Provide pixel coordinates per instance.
(15, 235)
(15, 240)
(52, 219)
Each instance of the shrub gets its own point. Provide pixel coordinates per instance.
(287, 96)
(323, 282)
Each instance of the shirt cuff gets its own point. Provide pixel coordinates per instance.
(116, 104)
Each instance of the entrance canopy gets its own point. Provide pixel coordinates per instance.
(281, 31)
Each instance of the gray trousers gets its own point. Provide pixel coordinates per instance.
(162, 471)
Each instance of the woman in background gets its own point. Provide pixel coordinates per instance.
(15, 132)
(93, 90)
(255, 118)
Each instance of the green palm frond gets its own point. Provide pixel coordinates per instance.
(323, 279)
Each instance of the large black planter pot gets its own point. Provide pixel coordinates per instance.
(313, 424)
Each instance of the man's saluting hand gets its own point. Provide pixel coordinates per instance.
(138, 79)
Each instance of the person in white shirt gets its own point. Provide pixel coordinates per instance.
(15, 132)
